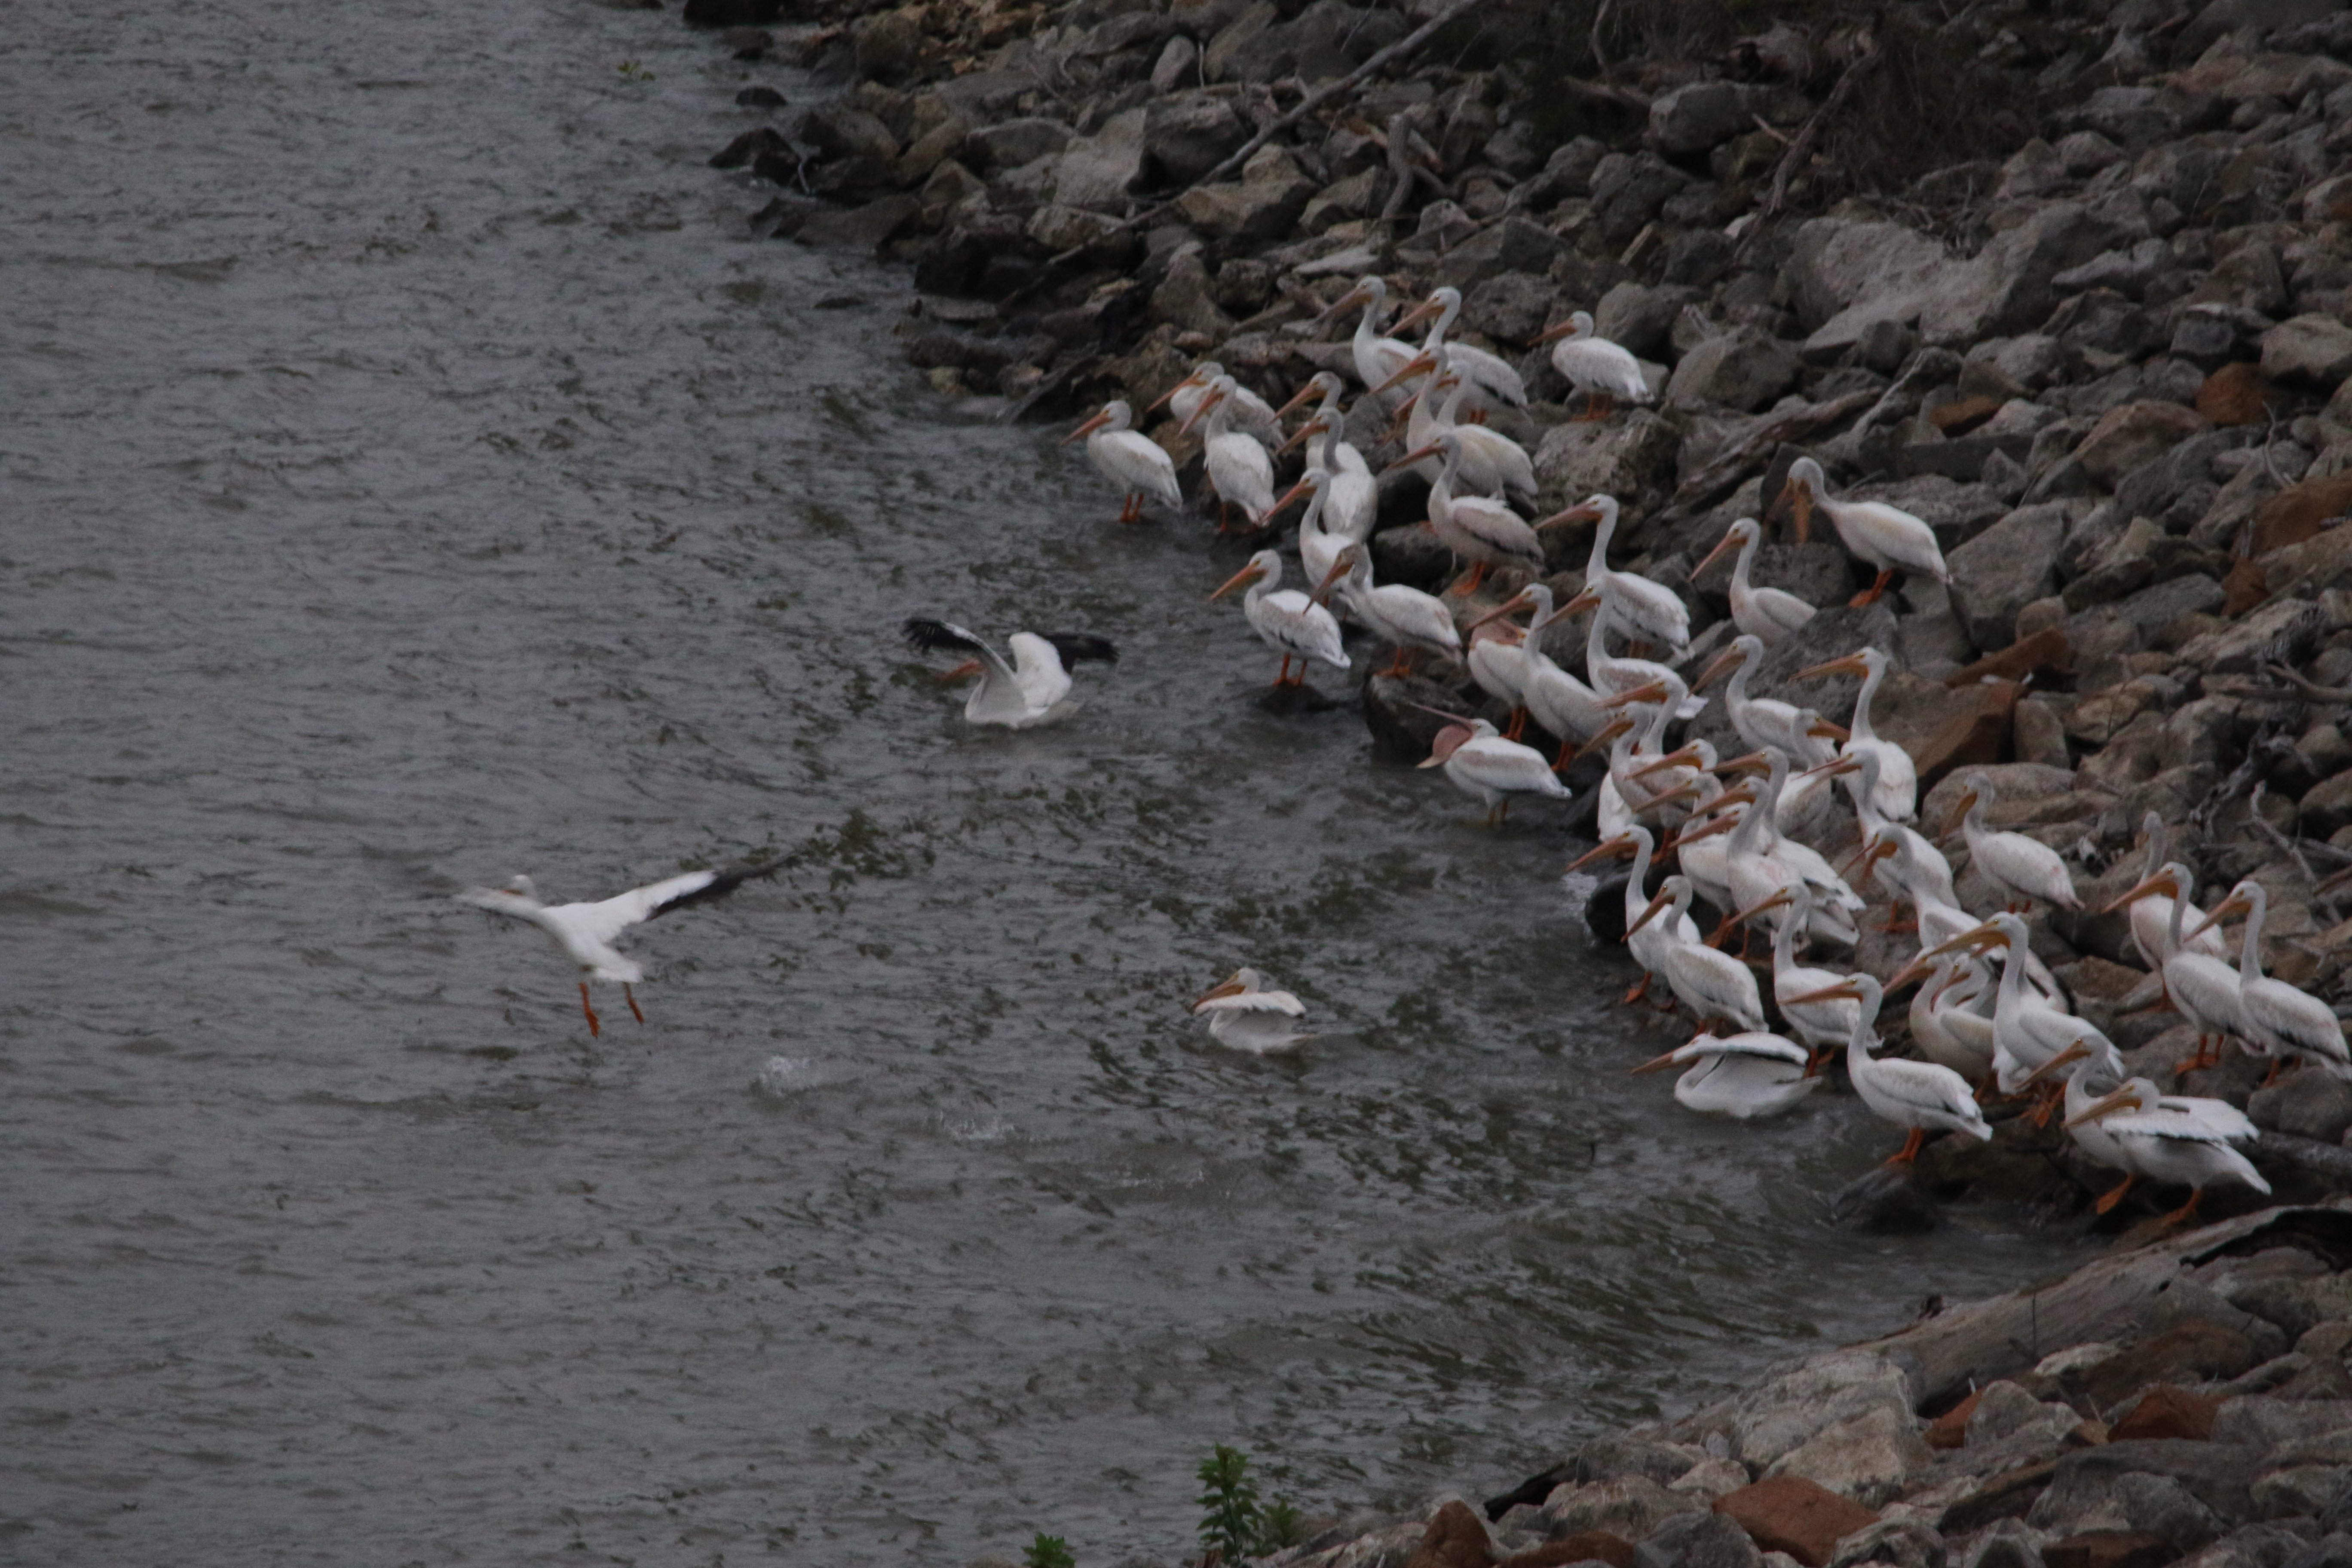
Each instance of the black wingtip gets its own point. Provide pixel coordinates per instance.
(937, 636)
(1075, 647)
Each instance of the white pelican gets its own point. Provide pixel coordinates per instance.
(2203, 987)
(1888, 537)
(1497, 659)
(2095, 1136)
(1594, 365)
(1489, 768)
(1768, 613)
(2026, 866)
(2028, 1029)
(1823, 1026)
(1610, 673)
(584, 934)
(1713, 985)
(1242, 1014)
(1882, 837)
(1652, 944)
(1022, 695)
(1563, 705)
(1810, 798)
(1491, 463)
(1318, 547)
(1355, 504)
(1643, 608)
(1406, 617)
(1895, 798)
(1239, 470)
(1490, 374)
(1646, 782)
(1287, 621)
(2151, 914)
(1486, 533)
(1250, 413)
(1377, 358)
(1740, 1076)
(1130, 459)
(1944, 1022)
(2280, 1020)
(1776, 863)
(1762, 720)
(1920, 1096)
(2168, 1146)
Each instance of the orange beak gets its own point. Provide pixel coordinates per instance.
(969, 667)
(1414, 317)
(1201, 413)
(2232, 905)
(1088, 429)
(2123, 1099)
(1510, 607)
(1657, 906)
(1724, 662)
(1728, 540)
(1620, 846)
(1852, 664)
(1553, 333)
(1580, 512)
(1312, 428)
(2162, 882)
(1305, 395)
(1294, 493)
(1191, 380)
(2074, 1053)
(1418, 364)
(1249, 573)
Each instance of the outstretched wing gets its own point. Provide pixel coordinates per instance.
(940, 637)
(1075, 647)
(606, 921)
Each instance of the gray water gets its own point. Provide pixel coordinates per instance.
(413, 475)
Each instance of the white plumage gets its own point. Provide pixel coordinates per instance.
(1740, 1076)
(2281, 1022)
(1885, 536)
(2024, 866)
(1642, 608)
(1245, 1014)
(1240, 472)
(1490, 769)
(1713, 985)
(1130, 459)
(1022, 695)
(1594, 365)
(1768, 613)
(1287, 621)
(1401, 616)
(1491, 374)
(1896, 797)
(1920, 1096)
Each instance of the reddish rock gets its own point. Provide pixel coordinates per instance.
(1969, 740)
(2238, 394)
(1584, 1546)
(1456, 1538)
(1791, 1514)
(2246, 586)
(2167, 1411)
(1960, 417)
(2111, 1549)
(2044, 652)
(1950, 1430)
(2296, 513)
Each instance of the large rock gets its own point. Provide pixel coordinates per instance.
(1791, 1514)
(1184, 300)
(1510, 306)
(1629, 1506)
(1837, 263)
(1785, 1412)
(1099, 172)
(1703, 115)
(1869, 1458)
(1740, 369)
(1267, 200)
(1639, 318)
(1186, 136)
(2314, 349)
(1010, 143)
(2004, 569)
(2007, 287)
(1628, 189)
(1626, 458)
(2134, 437)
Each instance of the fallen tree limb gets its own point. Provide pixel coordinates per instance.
(1802, 147)
(1710, 483)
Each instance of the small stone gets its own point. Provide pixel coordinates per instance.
(2237, 394)
(2110, 1549)
(2315, 349)
(2308, 1102)
(1791, 1514)
(2166, 1410)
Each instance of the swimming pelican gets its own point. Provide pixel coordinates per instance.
(1652, 944)
(2203, 987)
(584, 934)
(2028, 1029)
(1022, 695)
(2168, 1146)
(1643, 608)
(2280, 1020)
(1768, 613)
(1287, 621)
(1920, 1096)
(1594, 365)
(1486, 533)
(1895, 798)
(1130, 459)
(1242, 1014)
(1888, 537)
(1377, 358)
(2026, 866)
(2151, 914)
(1713, 985)
(1405, 617)
(1240, 472)
(1250, 413)
(1489, 768)
(1741, 1075)
(1490, 374)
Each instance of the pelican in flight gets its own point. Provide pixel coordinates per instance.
(1130, 459)
(1404, 617)
(2280, 1020)
(1896, 797)
(1741, 1075)
(2027, 868)
(1594, 365)
(1251, 412)
(1026, 693)
(1490, 374)
(2203, 987)
(1240, 472)
(1287, 621)
(1888, 537)
(1243, 1014)
(1642, 608)
(584, 934)
(1489, 768)
(1919, 1096)
(1767, 615)
(1377, 358)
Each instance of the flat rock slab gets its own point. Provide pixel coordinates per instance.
(1791, 1514)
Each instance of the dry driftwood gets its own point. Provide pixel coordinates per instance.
(1710, 483)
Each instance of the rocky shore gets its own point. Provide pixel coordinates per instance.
(2074, 284)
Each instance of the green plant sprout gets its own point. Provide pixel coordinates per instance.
(1048, 1552)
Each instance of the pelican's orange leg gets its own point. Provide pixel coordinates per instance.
(631, 994)
(1638, 992)
(595, 1028)
(1873, 594)
(2201, 1060)
(1567, 753)
(1910, 1150)
(2187, 1211)
(1283, 677)
(1518, 724)
(1597, 405)
(2272, 1077)
(1469, 585)
(2108, 1201)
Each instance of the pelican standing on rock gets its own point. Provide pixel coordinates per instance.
(1255, 416)
(1651, 944)
(1919, 1096)
(1484, 532)
(2151, 914)
(1287, 621)
(1642, 608)
(1025, 694)
(1489, 373)
(1247, 1016)
(1888, 537)
(2168, 1146)
(1404, 617)
(1130, 459)
(1594, 365)
(2026, 866)
(1377, 358)
(1489, 768)
(1240, 472)
(2281, 1022)
(1896, 797)
(1766, 614)
(2203, 987)
(1712, 984)
(1563, 705)
(2028, 1029)
(584, 934)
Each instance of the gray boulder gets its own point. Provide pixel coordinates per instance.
(1098, 172)
(1639, 318)
(1740, 369)
(1703, 115)
(1186, 136)
(2007, 287)
(2315, 349)
(1630, 458)
(1009, 143)
(1628, 189)
(1509, 308)
(1267, 199)
(1835, 264)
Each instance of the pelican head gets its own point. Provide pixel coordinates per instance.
(2244, 899)
(1221, 388)
(1737, 537)
(1242, 983)
(1578, 325)
(1452, 738)
(1979, 788)
(1806, 486)
(2170, 879)
(1423, 364)
(1310, 483)
(1265, 565)
(1114, 415)
(1600, 509)
(1445, 443)
(1745, 648)
(1675, 886)
(1201, 374)
(523, 885)
(1863, 661)
(1368, 291)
